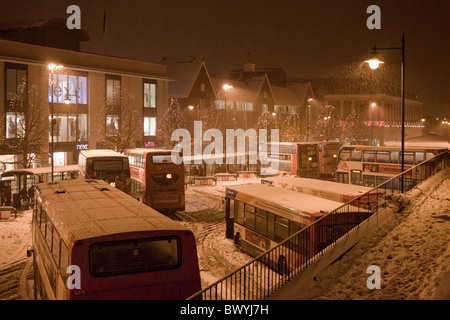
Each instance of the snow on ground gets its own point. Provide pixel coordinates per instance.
(412, 251)
(15, 236)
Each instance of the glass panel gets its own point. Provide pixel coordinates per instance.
(149, 95)
(82, 127)
(143, 255)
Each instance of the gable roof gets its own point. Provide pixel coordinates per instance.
(185, 74)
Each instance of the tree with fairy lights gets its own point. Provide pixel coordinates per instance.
(171, 120)
(351, 129)
(327, 125)
(292, 129)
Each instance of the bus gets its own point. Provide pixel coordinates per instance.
(108, 165)
(340, 192)
(258, 217)
(305, 159)
(91, 241)
(156, 180)
(371, 166)
(20, 182)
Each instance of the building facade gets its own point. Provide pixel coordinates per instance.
(89, 100)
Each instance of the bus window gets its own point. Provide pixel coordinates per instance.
(131, 256)
(162, 158)
(345, 155)
(107, 165)
(356, 155)
(429, 155)
(281, 228)
(294, 227)
(420, 156)
(369, 156)
(342, 177)
(369, 181)
(239, 212)
(261, 221)
(383, 156)
(249, 217)
(409, 158)
(394, 156)
(356, 178)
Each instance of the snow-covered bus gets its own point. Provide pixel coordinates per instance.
(371, 166)
(340, 192)
(258, 217)
(108, 165)
(92, 241)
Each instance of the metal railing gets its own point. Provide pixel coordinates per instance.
(262, 276)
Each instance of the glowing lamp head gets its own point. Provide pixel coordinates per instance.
(227, 87)
(374, 62)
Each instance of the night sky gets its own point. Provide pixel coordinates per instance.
(308, 39)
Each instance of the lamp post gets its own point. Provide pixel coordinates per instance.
(373, 105)
(374, 63)
(225, 87)
(53, 68)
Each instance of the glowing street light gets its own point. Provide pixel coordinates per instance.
(374, 63)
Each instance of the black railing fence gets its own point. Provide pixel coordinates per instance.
(262, 276)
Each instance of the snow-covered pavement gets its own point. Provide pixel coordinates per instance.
(412, 251)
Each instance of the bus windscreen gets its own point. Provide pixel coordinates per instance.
(107, 165)
(132, 256)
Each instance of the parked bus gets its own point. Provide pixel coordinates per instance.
(305, 159)
(116, 247)
(107, 165)
(258, 217)
(370, 166)
(156, 180)
(330, 190)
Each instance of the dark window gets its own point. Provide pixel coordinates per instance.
(133, 256)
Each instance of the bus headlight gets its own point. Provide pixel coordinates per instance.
(112, 184)
(169, 176)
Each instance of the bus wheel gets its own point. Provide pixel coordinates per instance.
(282, 266)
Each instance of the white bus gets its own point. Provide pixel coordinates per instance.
(258, 217)
(340, 192)
(108, 165)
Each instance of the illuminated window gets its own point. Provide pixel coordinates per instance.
(15, 125)
(149, 126)
(149, 95)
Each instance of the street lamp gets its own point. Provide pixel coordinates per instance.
(374, 63)
(53, 68)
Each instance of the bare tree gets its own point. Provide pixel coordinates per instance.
(119, 122)
(27, 125)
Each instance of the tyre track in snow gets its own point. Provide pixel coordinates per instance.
(15, 277)
(217, 255)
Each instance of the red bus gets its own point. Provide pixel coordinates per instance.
(156, 180)
(305, 159)
(91, 241)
